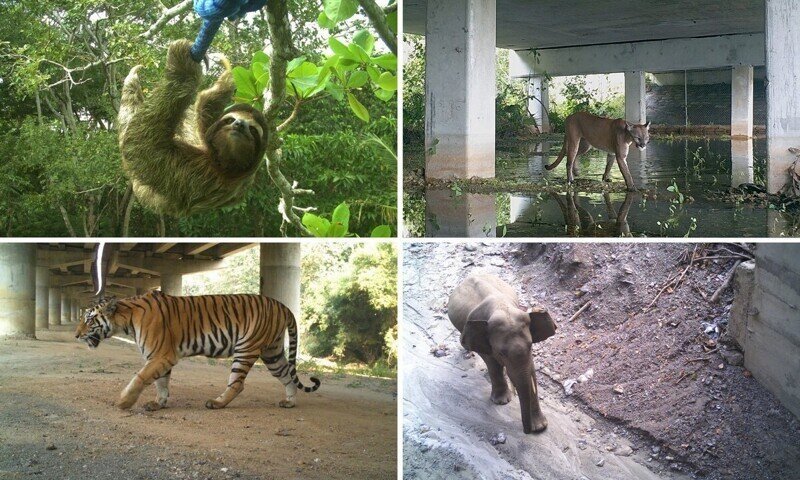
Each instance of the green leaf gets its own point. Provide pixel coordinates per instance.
(365, 40)
(295, 63)
(374, 74)
(357, 108)
(340, 49)
(318, 226)
(387, 61)
(384, 95)
(381, 231)
(391, 19)
(245, 83)
(324, 22)
(357, 79)
(359, 53)
(341, 214)
(261, 75)
(387, 81)
(335, 90)
(261, 57)
(340, 10)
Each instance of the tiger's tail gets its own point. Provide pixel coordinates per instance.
(560, 157)
(292, 328)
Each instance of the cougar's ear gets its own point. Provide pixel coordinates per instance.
(475, 336)
(627, 127)
(647, 125)
(542, 325)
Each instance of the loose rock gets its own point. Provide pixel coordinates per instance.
(497, 439)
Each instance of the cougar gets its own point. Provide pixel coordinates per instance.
(613, 136)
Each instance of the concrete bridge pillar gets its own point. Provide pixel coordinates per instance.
(742, 101)
(65, 307)
(280, 273)
(54, 307)
(73, 310)
(783, 89)
(635, 100)
(42, 297)
(460, 88)
(18, 289)
(539, 102)
(172, 284)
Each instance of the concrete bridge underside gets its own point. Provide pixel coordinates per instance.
(553, 38)
(51, 284)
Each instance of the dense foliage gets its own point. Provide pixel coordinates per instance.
(579, 98)
(61, 68)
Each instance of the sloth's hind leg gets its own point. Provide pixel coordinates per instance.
(132, 98)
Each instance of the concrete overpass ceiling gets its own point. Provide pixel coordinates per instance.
(524, 24)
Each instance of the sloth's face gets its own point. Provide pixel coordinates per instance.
(237, 140)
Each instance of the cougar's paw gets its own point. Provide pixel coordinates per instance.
(152, 406)
(607, 179)
(286, 403)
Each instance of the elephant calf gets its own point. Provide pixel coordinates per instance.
(486, 311)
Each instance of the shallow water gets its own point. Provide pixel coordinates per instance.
(665, 169)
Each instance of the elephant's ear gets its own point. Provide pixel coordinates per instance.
(542, 325)
(475, 337)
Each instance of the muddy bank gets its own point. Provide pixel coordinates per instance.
(659, 383)
(58, 420)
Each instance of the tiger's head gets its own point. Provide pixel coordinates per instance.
(97, 323)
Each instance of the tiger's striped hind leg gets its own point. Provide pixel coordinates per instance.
(242, 363)
(279, 367)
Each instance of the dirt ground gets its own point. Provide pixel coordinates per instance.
(659, 385)
(57, 420)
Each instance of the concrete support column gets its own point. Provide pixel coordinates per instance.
(635, 101)
(467, 215)
(280, 273)
(18, 289)
(65, 307)
(741, 161)
(172, 284)
(539, 102)
(73, 307)
(460, 88)
(742, 101)
(54, 307)
(783, 89)
(42, 296)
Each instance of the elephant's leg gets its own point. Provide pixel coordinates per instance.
(524, 379)
(501, 394)
(162, 393)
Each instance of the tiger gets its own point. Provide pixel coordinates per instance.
(167, 328)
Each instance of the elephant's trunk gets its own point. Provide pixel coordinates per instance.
(524, 381)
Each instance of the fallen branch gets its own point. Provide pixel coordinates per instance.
(580, 310)
(726, 283)
(671, 280)
(685, 374)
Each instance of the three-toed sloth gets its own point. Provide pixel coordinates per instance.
(185, 156)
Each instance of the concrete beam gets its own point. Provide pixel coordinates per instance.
(42, 297)
(652, 56)
(460, 88)
(742, 101)
(18, 289)
(783, 89)
(635, 101)
(279, 264)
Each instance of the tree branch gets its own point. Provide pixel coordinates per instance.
(167, 14)
(377, 16)
(283, 52)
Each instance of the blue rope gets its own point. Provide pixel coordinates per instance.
(213, 12)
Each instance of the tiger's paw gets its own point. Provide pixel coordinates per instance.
(153, 406)
(286, 403)
(125, 403)
(213, 404)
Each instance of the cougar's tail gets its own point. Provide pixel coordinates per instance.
(560, 157)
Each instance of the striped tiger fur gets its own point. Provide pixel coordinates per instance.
(167, 328)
